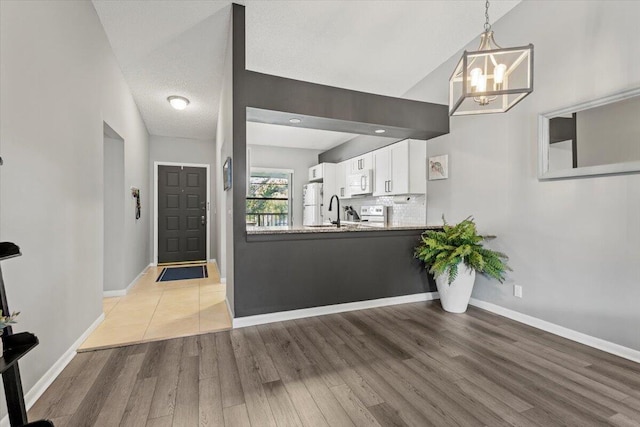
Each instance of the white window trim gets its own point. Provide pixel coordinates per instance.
(291, 184)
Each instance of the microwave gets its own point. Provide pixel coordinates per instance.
(360, 183)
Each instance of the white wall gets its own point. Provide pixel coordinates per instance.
(184, 150)
(573, 243)
(115, 195)
(298, 159)
(224, 146)
(59, 82)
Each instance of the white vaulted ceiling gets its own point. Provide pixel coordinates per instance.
(176, 47)
(169, 48)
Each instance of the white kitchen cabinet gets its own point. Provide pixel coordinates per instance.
(319, 172)
(325, 173)
(342, 189)
(315, 173)
(382, 171)
(401, 168)
(360, 163)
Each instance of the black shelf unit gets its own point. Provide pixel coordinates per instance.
(15, 346)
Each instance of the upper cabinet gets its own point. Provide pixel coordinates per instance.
(360, 163)
(342, 172)
(400, 168)
(318, 172)
(396, 169)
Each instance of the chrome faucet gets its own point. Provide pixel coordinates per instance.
(337, 221)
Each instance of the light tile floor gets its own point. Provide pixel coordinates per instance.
(160, 310)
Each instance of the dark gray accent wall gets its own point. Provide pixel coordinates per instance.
(424, 120)
(562, 129)
(288, 274)
(283, 274)
(236, 197)
(311, 122)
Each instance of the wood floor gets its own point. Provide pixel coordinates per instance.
(408, 365)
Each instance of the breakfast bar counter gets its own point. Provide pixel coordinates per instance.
(344, 228)
(350, 230)
(295, 268)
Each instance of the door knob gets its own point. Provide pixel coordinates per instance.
(203, 220)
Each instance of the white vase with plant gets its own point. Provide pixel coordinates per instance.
(4, 322)
(453, 256)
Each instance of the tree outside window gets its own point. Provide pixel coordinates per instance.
(268, 200)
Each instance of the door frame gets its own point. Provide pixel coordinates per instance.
(155, 204)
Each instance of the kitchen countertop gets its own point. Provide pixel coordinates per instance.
(345, 228)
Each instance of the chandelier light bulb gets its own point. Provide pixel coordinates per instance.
(475, 74)
(498, 73)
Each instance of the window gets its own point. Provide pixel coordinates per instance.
(269, 197)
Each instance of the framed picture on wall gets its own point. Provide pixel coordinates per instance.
(227, 173)
(438, 167)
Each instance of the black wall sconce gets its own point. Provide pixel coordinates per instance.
(135, 193)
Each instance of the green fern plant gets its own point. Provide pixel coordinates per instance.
(442, 251)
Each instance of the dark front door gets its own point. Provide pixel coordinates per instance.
(182, 214)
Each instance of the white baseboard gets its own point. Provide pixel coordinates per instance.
(223, 280)
(111, 294)
(125, 291)
(226, 301)
(260, 319)
(47, 379)
(600, 344)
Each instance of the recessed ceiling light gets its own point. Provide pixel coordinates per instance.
(295, 121)
(380, 131)
(178, 102)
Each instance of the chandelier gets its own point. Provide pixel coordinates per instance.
(491, 79)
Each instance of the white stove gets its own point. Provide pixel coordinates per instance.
(374, 216)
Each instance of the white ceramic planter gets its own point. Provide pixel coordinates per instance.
(455, 297)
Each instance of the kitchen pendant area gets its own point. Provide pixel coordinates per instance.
(333, 212)
(290, 190)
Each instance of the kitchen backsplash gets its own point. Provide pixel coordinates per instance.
(403, 210)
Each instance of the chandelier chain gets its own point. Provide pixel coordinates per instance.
(487, 25)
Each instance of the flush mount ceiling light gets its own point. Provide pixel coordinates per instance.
(492, 79)
(295, 121)
(380, 131)
(178, 102)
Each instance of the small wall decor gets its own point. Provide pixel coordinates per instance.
(438, 167)
(227, 174)
(135, 193)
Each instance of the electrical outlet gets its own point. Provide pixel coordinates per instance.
(517, 291)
